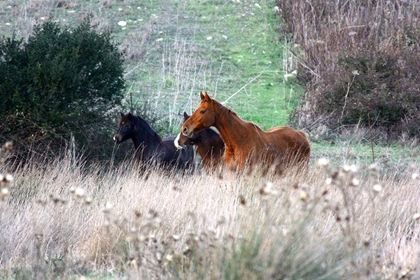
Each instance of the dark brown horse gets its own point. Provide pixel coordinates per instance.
(245, 143)
(209, 145)
(151, 149)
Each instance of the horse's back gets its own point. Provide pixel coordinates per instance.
(294, 142)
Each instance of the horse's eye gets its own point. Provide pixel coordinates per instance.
(202, 112)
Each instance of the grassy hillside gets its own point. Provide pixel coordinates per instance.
(174, 49)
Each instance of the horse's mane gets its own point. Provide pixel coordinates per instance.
(224, 110)
(227, 111)
(148, 128)
(143, 125)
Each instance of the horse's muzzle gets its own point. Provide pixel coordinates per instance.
(178, 145)
(117, 138)
(186, 132)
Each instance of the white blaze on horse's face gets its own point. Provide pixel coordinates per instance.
(176, 142)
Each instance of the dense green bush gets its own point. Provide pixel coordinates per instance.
(60, 82)
(359, 63)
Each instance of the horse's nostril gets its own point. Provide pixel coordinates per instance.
(185, 131)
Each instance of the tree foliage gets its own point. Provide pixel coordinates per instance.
(60, 82)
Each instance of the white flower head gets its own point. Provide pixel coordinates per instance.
(377, 188)
(323, 162)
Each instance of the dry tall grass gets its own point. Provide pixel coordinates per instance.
(62, 220)
(354, 57)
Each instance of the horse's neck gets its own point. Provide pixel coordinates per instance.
(202, 143)
(145, 138)
(231, 128)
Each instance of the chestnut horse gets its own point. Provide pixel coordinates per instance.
(245, 143)
(150, 148)
(209, 145)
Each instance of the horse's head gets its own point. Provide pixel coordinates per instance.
(203, 117)
(126, 128)
(181, 141)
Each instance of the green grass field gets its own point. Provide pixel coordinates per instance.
(175, 49)
(230, 49)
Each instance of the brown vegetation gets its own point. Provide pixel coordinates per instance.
(59, 220)
(359, 61)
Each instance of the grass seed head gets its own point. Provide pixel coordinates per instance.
(222, 220)
(377, 188)
(4, 194)
(323, 162)
(137, 214)
(303, 196)
(108, 208)
(349, 168)
(186, 250)
(156, 222)
(159, 257)
(133, 263)
(8, 178)
(374, 167)
(8, 145)
(79, 192)
(242, 200)
(55, 198)
(268, 189)
(355, 182)
(142, 238)
(88, 200)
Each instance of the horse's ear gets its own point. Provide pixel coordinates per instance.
(122, 115)
(204, 96)
(207, 97)
(186, 116)
(134, 120)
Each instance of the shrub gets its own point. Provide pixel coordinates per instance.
(382, 93)
(358, 62)
(58, 83)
